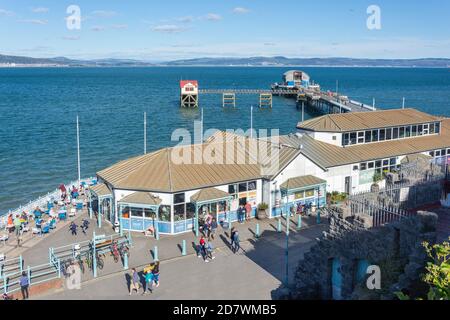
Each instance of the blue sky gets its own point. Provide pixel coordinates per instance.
(167, 30)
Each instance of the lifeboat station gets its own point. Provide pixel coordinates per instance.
(332, 153)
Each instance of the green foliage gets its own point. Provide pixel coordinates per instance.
(263, 206)
(377, 177)
(438, 272)
(336, 197)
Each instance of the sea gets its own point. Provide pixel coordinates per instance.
(38, 109)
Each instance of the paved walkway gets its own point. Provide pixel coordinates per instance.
(255, 273)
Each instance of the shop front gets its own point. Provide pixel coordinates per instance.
(308, 191)
(101, 201)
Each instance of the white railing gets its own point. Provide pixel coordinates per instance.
(39, 202)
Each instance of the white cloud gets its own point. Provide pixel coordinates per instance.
(213, 17)
(103, 13)
(168, 28)
(98, 28)
(35, 21)
(72, 38)
(40, 10)
(240, 10)
(187, 19)
(7, 13)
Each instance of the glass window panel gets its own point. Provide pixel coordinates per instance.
(437, 127)
(432, 153)
(252, 185)
(371, 165)
(353, 138)
(232, 189)
(401, 132)
(393, 161)
(374, 135)
(242, 187)
(179, 212)
(395, 133)
(431, 128)
(437, 153)
(420, 130)
(407, 131)
(164, 213)
(178, 198)
(361, 134)
(382, 134)
(213, 208)
(448, 151)
(149, 213)
(126, 212)
(137, 212)
(378, 164)
(368, 136)
(190, 210)
(345, 139)
(299, 195)
(443, 152)
(414, 131)
(222, 206)
(363, 166)
(388, 134)
(385, 162)
(309, 193)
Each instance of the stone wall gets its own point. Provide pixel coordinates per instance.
(397, 246)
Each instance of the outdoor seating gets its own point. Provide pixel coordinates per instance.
(72, 212)
(79, 205)
(52, 224)
(62, 216)
(46, 229)
(4, 237)
(37, 230)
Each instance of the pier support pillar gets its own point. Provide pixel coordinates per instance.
(265, 100)
(229, 100)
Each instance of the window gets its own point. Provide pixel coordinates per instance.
(378, 164)
(388, 134)
(395, 133)
(371, 165)
(178, 198)
(363, 166)
(137, 212)
(425, 129)
(222, 206)
(149, 214)
(420, 130)
(299, 195)
(309, 193)
(251, 186)
(437, 128)
(360, 137)
(353, 138)
(431, 153)
(232, 189)
(407, 131)
(414, 131)
(355, 168)
(437, 153)
(393, 161)
(190, 211)
(431, 128)
(243, 187)
(334, 138)
(164, 213)
(442, 152)
(382, 134)
(368, 136)
(385, 162)
(401, 132)
(126, 212)
(374, 135)
(448, 151)
(345, 139)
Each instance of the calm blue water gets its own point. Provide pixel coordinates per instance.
(38, 109)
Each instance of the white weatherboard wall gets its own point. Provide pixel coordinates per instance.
(324, 136)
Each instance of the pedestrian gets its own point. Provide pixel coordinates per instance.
(236, 240)
(24, 284)
(148, 278)
(202, 249)
(134, 284)
(84, 225)
(73, 228)
(17, 225)
(233, 231)
(241, 213)
(210, 250)
(248, 210)
(213, 229)
(155, 273)
(19, 236)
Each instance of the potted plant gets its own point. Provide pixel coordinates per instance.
(262, 210)
(377, 177)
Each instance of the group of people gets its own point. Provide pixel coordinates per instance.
(151, 274)
(209, 227)
(205, 249)
(244, 212)
(73, 227)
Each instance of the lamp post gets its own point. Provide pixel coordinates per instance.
(288, 218)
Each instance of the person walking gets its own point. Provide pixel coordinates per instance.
(233, 231)
(17, 225)
(84, 225)
(210, 250)
(241, 213)
(73, 228)
(149, 279)
(134, 284)
(248, 210)
(213, 229)
(236, 240)
(24, 284)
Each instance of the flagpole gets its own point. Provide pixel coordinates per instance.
(201, 132)
(78, 150)
(145, 132)
(251, 122)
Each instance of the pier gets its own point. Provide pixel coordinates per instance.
(295, 85)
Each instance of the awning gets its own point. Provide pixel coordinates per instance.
(209, 195)
(302, 182)
(144, 198)
(100, 190)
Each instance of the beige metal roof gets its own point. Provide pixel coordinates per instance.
(209, 194)
(355, 121)
(327, 155)
(100, 190)
(231, 160)
(301, 182)
(145, 198)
